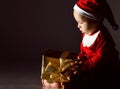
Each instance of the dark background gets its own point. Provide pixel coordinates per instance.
(28, 28)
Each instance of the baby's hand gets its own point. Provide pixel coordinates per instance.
(75, 66)
(78, 57)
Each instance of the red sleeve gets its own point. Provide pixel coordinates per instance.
(92, 62)
(99, 56)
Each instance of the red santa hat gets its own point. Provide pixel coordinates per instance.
(95, 9)
(89, 8)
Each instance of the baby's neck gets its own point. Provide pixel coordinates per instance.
(94, 30)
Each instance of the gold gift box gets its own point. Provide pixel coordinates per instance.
(56, 65)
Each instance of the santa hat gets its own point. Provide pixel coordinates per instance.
(95, 9)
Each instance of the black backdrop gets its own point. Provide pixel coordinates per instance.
(29, 27)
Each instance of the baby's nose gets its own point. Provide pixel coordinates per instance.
(78, 26)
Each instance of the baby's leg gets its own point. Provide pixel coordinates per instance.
(47, 85)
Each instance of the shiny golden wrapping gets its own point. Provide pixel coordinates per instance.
(56, 69)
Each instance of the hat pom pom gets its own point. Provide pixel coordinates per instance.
(115, 27)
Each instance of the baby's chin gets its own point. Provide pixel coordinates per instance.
(85, 32)
(82, 31)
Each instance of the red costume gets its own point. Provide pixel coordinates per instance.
(100, 65)
(97, 49)
(100, 62)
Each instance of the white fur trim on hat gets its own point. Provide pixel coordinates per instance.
(83, 12)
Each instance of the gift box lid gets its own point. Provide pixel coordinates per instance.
(59, 53)
(53, 64)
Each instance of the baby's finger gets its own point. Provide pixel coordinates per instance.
(78, 57)
(80, 62)
(75, 72)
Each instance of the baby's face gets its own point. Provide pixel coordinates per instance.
(84, 24)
